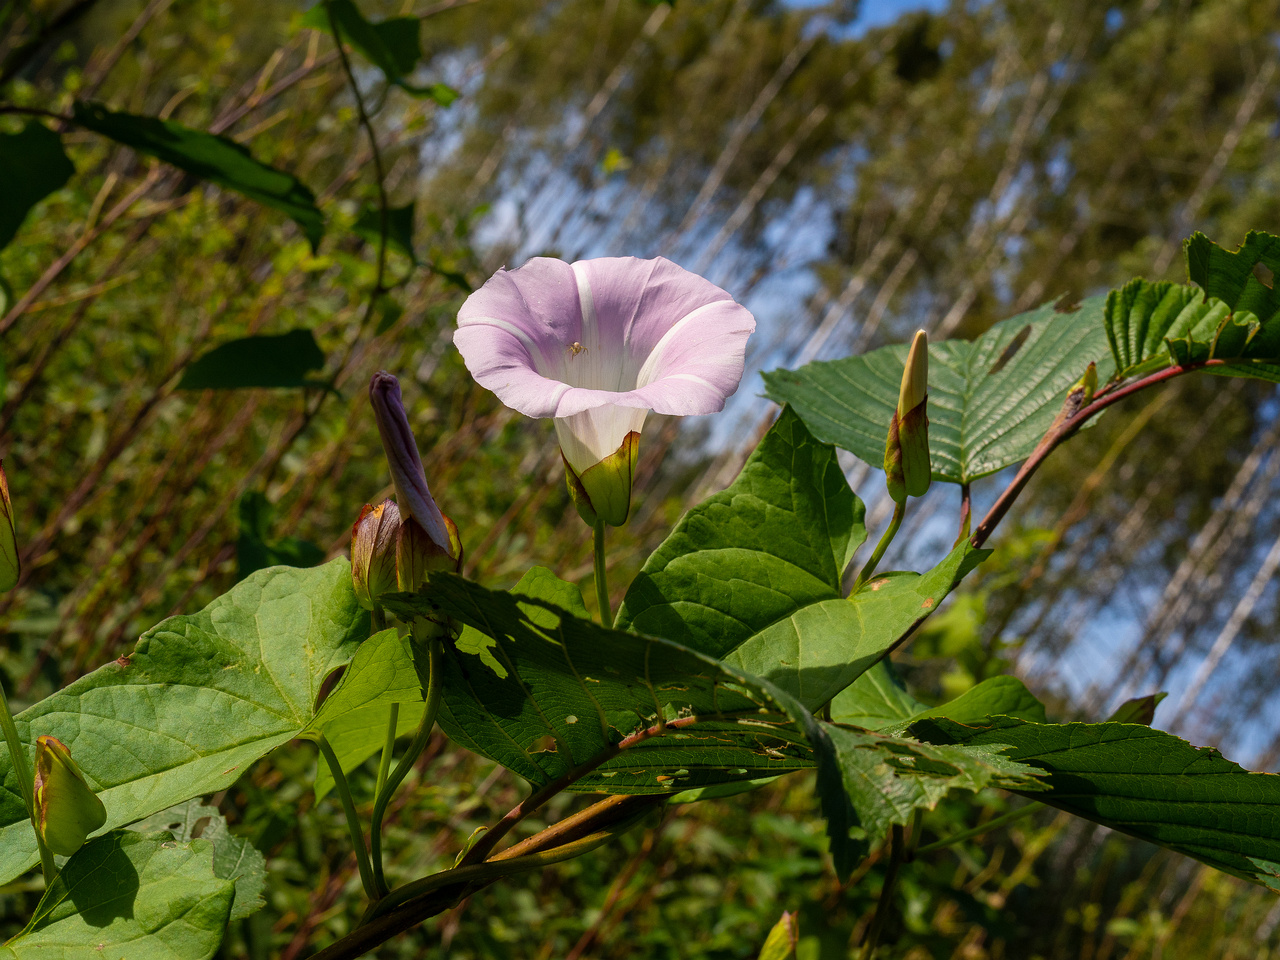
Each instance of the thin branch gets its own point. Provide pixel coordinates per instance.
(1064, 431)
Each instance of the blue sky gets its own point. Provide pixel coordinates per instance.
(877, 13)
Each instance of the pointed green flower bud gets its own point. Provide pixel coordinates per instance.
(906, 449)
(9, 566)
(67, 810)
(373, 552)
(603, 490)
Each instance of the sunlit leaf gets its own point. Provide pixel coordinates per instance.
(129, 895)
(32, 166)
(282, 361)
(199, 699)
(234, 858)
(209, 157)
(1146, 783)
(752, 576)
(990, 399)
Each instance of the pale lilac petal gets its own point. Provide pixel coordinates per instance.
(599, 343)
(636, 301)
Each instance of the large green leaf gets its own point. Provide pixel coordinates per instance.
(209, 157)
(990, 399)
(234, 858)
(280, 360)
(129, 895)
(1232, 313)
(542, 690)
(752, 575)
(1147, 783)
(201, 697)
(392, 45)
(32, 166)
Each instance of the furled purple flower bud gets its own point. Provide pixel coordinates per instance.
(373, 552)
(415, 554)
(67, 809)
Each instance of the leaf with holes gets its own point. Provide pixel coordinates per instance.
(234, 858)
(125, 894)
(752, 576)
(1229, 313)
(536, 686)
(1146, 783)
(200, 698)
(885, 779)
(990, 399)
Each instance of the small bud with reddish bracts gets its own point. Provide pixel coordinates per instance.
(66, 809)
(373, 552)
(906, 449)
(1078, 397)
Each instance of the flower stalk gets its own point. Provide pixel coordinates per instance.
(602, 587)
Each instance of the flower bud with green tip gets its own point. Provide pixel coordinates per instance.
(906, 449)
(603, 490)
(10, 568)
(67, 810)
(373, 552)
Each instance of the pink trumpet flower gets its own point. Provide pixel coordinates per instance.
(596, 345)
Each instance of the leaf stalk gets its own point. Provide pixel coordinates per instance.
(353, 820)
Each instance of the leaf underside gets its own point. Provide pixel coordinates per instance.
(990, 399)
(1146, 783)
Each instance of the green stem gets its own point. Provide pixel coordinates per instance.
(982, 828)
(431, 707)
(388, 747)
(602, 588)
(899, 510)
(353, 821)
(488, 870)
(18, 757)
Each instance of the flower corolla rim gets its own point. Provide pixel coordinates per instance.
(597, 344)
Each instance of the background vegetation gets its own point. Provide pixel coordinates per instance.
(849, 182)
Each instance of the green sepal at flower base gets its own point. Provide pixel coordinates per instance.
(603, 490)
(10, 567)
(66, 808)
(906, 448)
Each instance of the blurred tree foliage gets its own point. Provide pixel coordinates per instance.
(946, 171)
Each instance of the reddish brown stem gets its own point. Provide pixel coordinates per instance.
(1056, 435)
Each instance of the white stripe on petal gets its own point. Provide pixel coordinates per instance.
(648, 373)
